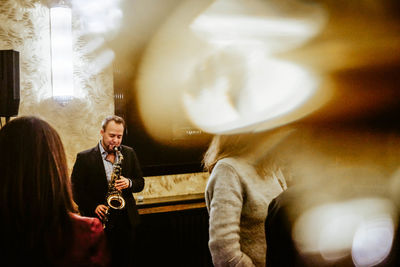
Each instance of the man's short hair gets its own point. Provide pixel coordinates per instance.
(115, 118)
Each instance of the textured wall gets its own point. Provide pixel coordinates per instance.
(24, 27)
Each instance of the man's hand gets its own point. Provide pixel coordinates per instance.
(121, 183)
(101, 211)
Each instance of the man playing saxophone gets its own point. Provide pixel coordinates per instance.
(91, 177)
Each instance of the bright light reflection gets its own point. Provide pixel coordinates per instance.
(99, 16)
(273, 26)
(372, 242)
(265, 92)
(272, 34)
(102, 61)
(337, 234)
(94, 44)
(362, 227)
(61, 51)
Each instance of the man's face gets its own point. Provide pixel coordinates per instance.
(112, 136)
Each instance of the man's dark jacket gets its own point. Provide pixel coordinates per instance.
(90, 185)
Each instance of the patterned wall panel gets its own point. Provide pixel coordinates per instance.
(24, 27)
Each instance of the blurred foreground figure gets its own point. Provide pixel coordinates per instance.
(244, 178)
(38, 227)
(341, 208)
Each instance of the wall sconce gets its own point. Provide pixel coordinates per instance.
(61, 52)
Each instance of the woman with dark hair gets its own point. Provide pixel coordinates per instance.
(37, 225)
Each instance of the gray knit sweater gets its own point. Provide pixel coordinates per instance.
(237, 200)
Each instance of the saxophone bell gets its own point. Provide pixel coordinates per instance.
(116, 201)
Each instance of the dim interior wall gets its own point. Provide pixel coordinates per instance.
(24, 27)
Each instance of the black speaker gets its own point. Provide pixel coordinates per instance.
(9, 83)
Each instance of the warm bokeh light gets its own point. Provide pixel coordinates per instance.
(255, 88)
(99, 16)
(373, 241)
(232, 96)
(362, 227)
(221, 73)
(274, 35)
(328, 67)
(227, 61)
(256, 24)
(102, 60)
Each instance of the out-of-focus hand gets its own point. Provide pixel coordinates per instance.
(121, 183)
(101, 211)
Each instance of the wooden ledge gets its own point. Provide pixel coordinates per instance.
(171, 203)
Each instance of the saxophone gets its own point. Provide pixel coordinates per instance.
(114, 197)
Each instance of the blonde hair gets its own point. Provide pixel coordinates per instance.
(223, 146)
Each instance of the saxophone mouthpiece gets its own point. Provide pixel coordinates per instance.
(117, 148)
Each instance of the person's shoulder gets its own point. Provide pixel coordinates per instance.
(234, 162)
(224, 170)
(88, 151)
(225, 165)
(289, 196)
(125, 147)
(86, 224)
(128, 149)
(230, 165)
(89, 242)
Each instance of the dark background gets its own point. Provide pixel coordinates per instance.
(182, 154)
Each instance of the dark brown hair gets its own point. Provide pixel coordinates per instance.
(115, 118)
(35, 198)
